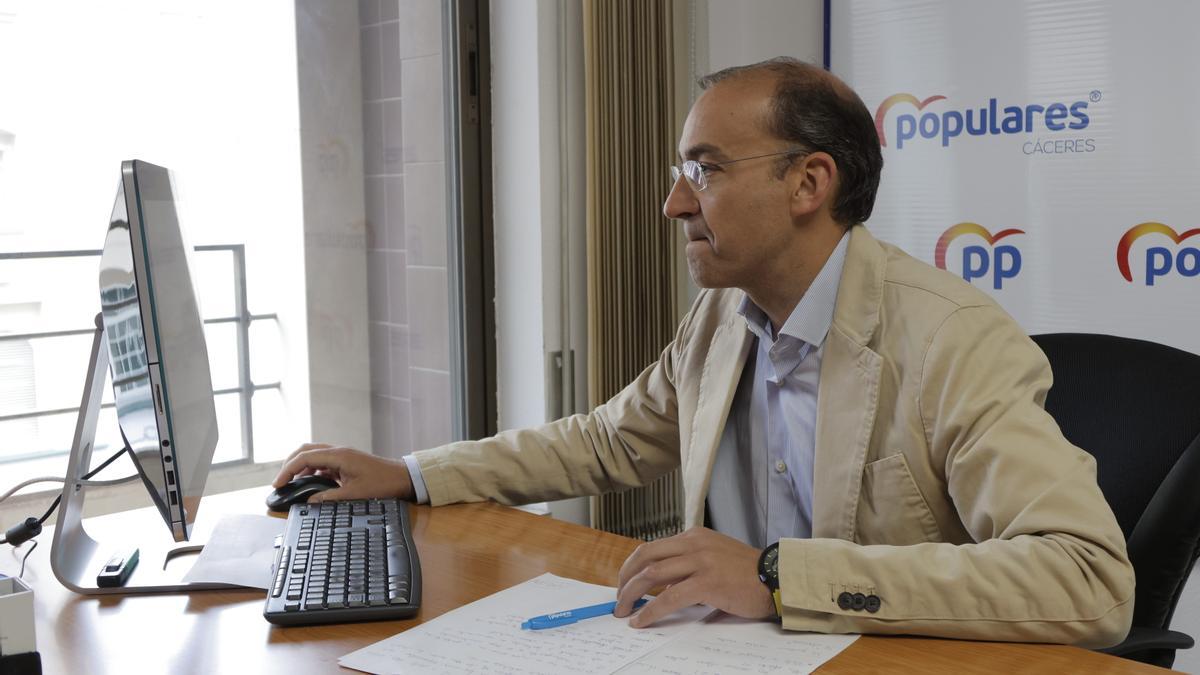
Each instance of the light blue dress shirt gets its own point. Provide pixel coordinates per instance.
(761, 488)
(762, 482)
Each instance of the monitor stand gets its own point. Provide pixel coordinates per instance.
(75, 557)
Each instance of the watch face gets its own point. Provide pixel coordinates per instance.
(768, 567)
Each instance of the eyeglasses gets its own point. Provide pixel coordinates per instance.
(697, 172)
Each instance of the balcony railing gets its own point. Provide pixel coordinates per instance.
(241, 317)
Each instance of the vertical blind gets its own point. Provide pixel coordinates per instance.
(631, 110)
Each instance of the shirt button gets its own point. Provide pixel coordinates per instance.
(780, 467)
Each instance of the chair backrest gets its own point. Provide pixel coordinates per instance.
(1135, 406)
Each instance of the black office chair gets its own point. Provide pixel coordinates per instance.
(1135, 406)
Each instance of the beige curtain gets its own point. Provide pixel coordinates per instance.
(632, 113)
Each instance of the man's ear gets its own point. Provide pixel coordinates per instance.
(814, 183)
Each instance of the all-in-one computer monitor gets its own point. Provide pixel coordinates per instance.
(156, 347)
(149, 330)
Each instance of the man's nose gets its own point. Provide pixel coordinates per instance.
(681, 200)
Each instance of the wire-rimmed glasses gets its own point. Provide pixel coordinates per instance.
(697, 172)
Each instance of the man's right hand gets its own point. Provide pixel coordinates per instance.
(359, 475)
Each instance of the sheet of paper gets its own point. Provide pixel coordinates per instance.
(240, 551)
(486, 636)
(726, 644)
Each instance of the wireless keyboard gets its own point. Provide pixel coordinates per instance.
(345, 561)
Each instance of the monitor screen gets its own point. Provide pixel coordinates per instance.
(158, 355)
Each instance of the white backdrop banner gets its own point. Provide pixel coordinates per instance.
(1048, 153)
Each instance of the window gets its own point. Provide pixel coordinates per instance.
(85, 86)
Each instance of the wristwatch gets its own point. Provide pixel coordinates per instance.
(768, 573)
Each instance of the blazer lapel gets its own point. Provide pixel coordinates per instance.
(846, 403)
(718, 382)
(848, 392)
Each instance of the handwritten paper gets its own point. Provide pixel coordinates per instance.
(486, 637)
(727, 644)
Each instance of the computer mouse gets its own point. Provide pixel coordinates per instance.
(297, 491)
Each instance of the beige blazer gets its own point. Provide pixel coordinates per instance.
(942, 487)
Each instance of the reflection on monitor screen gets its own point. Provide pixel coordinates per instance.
(160, 372)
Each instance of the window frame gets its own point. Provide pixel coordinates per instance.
(241, 317)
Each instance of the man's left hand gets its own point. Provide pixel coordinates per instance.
(697, 567)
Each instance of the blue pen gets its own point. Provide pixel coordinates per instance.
(570, 616)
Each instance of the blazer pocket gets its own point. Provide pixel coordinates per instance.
(891, 509)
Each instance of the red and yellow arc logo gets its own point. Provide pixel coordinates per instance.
(943, 242)
(881, 112)
(1141, 230)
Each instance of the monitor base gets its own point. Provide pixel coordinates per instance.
(75, 556)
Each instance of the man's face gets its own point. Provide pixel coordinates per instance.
(741, 222)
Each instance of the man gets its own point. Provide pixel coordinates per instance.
(874, 423)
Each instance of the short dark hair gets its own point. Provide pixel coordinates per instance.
(810, 110)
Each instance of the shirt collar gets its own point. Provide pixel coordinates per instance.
(813, 315)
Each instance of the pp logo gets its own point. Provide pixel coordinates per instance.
(903, 130)
(1160, 260)
(1001, 262)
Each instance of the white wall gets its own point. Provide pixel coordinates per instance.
(537, 130)
(739, 33)
(521, 308)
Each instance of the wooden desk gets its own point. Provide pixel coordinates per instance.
(467, 552)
